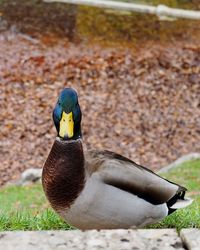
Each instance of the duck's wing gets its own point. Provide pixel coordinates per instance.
(120, 172)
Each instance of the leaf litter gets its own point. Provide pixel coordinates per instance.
(143, 103)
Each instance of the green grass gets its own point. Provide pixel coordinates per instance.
(26, 208)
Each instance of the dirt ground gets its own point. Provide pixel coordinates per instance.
(142, 102)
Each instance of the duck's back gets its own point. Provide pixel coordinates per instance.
(119, 194)
(110, 191)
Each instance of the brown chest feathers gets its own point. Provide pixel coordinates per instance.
(63, 174)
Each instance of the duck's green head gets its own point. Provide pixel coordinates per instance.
(67, 115)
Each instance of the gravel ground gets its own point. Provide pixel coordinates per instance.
(144, 103)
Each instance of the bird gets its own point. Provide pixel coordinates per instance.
(100, 189)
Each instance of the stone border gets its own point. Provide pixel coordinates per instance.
(179, 161)
(191, 238)
(165, 239)
(120, 239)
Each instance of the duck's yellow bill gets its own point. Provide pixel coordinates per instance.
(66, 125)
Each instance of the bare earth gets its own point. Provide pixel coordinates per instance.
(143, 103)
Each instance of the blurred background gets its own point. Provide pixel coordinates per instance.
(137, 75)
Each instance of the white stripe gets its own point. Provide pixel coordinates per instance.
(160, 10)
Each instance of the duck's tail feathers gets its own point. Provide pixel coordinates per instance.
(182, 203)
(178, 201)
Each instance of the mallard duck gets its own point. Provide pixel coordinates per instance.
(101, 189)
